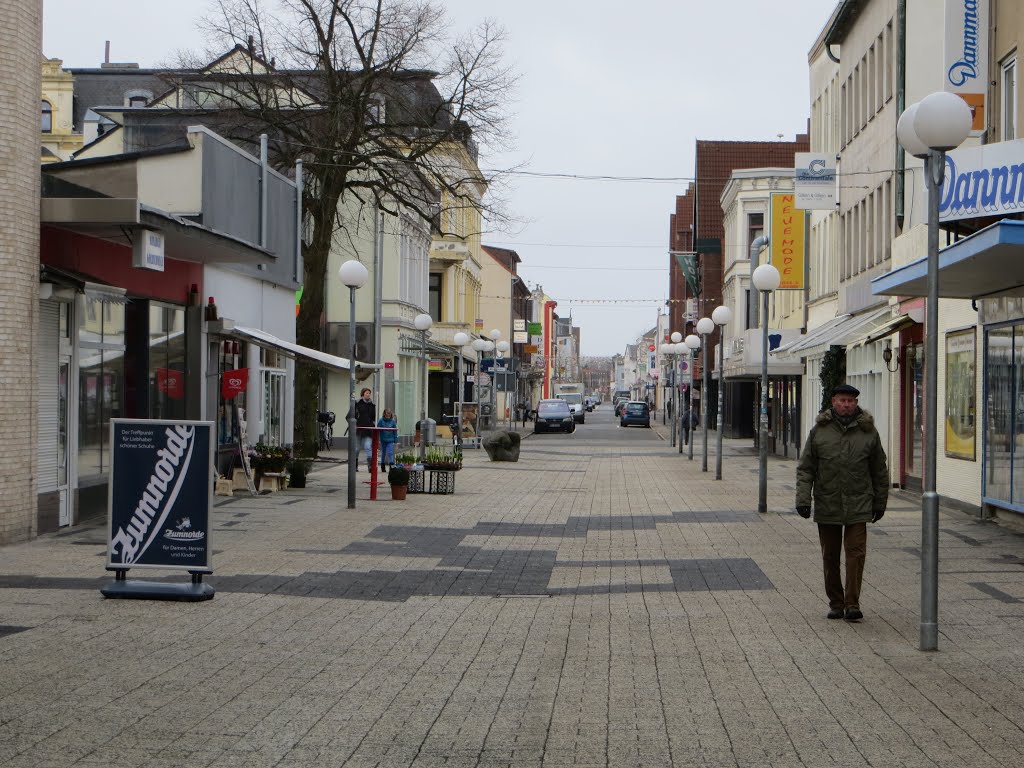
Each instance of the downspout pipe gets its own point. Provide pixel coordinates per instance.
(901, 104)
(759, 244)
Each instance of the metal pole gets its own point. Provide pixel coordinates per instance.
(458, 398)
(721, 399)
(672, 383)
(353, 444)
(426, 389)
(704, 399)
(933, 171)
(692, 433)
(762, 440)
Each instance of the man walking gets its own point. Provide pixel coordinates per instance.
(843, 469)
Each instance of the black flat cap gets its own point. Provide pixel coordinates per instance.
(846, 389)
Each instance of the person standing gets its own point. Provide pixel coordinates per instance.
(388, 438)
(366, 416)
(843, 471)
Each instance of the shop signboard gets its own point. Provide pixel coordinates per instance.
(160, 493)
(982, 181)
(787, 240)
(535, 329)
(518, 324)
(965, 56)
(815, 183)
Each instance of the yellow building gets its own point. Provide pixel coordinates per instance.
(57, 138)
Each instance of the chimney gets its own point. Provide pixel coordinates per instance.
(106, 54)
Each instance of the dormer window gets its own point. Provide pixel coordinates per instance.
(137, 98)
(46, 119)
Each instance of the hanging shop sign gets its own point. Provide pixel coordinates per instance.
(787, 240)
(233, 383)
(148, 250)
(170, 382)
(965, 56)
(160, 492)
(535, 329)
(518, 324)
(814, 183)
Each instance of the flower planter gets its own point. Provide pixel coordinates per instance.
(398, 492)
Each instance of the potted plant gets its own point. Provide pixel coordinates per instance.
(398, 479)
(439, 458)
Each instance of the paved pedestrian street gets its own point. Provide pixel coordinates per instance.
(602, 602)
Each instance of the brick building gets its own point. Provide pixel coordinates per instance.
(20, 87)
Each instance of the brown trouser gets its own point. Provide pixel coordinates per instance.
(833, 538)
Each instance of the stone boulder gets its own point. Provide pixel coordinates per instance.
(502, 446)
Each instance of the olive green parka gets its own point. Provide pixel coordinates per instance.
(843, 469)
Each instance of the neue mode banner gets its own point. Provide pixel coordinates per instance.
(160, 493)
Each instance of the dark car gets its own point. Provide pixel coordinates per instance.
(635, 412)
(554, 416)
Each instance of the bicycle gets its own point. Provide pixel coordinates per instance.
(325, 420)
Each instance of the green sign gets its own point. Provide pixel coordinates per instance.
(688, 263)
(535, 329)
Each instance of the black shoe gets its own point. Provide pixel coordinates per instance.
(835, 613)
(853, 614)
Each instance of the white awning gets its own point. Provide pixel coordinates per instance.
(885, 330)
(264, 339)
(839, 332)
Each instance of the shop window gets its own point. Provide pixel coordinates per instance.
(434, 297)
(274, 389)
(168, 371)
(46, 119)
(1001, 413)
(101, 383)
(1008, 103)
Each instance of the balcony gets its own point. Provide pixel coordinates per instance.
(449, 250)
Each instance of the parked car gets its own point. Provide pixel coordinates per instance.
(554, 416)
(619, 402)
(635, 412)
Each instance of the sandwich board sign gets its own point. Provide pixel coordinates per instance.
(158, 505)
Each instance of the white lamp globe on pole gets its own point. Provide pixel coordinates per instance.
(676, 337)
(704, 327)
(766, 278)
(938, 123)
(692, 344)
(353, 275)
(667, 350)
(721, 317)
(942, 121)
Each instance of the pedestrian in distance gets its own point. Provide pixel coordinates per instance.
(690, 420)
(366, 416)
(843, 473)
(388, 438)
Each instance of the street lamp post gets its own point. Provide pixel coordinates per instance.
(721, 317)
(677, 349)
(704, 327)
(461, 340)
(503, 347)
(423, 322)
(353, 274)
(766, 278)
(479, 346)
(936, 124)
(492, 346)
(692, 343)
(667, 350)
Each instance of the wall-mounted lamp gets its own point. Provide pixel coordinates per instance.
(887, 357)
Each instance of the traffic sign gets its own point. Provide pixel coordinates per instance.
(483, 379)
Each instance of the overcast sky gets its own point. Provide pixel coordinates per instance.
(607, 89)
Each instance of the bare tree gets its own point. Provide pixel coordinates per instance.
(381, 103)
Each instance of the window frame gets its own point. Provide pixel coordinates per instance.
(1008, 98)
(46, 117)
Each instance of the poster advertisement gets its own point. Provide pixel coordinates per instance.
(960, 394)
(787, 240)
(160, 492)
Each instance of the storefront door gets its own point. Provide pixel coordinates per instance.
(913, 416)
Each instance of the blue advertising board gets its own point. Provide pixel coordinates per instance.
(160, 494)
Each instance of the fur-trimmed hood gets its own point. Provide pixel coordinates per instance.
(864, 419)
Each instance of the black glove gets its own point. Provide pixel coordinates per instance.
(804, 512)
(877, 515)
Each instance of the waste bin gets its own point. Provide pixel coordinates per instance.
(428, 429)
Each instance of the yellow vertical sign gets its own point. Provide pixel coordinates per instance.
(787, 240)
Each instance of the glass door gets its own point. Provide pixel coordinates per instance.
(913, 416)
